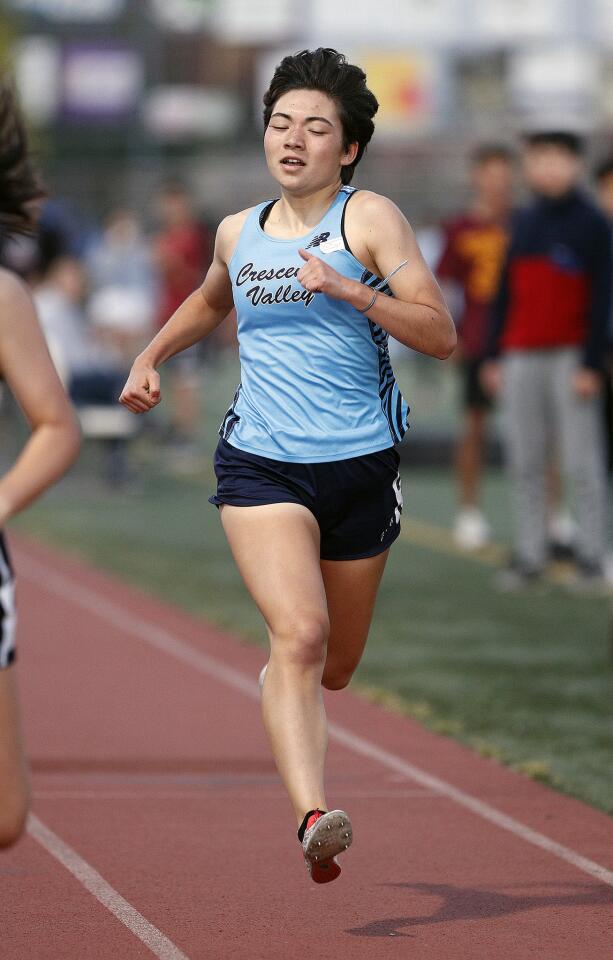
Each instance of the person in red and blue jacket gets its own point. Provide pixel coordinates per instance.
(550, 326)
(603, 182)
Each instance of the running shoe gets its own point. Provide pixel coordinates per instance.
(324, 836)
(589, 577)
(516, 577)
(471, 530)
(562, 536)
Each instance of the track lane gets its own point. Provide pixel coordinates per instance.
(209, 871)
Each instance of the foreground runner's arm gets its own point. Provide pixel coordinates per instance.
(378, 233)
(197, 316)
(28, 370)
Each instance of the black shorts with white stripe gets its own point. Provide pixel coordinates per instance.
(7, 607)
(357, 502)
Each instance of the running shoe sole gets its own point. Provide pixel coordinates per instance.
(330, 835)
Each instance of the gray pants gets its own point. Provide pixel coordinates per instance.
(545, 421)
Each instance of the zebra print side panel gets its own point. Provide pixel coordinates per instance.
(231, 418)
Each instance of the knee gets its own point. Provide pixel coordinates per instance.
(336, 680)
(303, 641)
(13, 817)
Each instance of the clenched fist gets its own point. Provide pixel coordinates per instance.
(317, 277)
(142, 390)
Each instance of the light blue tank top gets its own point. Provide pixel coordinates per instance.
(316, 378)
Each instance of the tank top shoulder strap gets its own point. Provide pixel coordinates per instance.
(330, 228)
(332, 223)
(257, 214)
(347, 192)
(249, 227)
(334, 218)
(262, 211)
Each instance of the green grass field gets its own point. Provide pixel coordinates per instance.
(526, 679)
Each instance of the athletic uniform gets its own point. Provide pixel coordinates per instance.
(318, 411)
(7, 608)
(472, 258)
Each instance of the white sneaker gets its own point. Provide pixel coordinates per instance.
(471, 530)
(328, 835)
(562, 528)
(562, 533)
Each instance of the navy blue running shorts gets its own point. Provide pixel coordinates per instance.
(357, 502)
(474, 396)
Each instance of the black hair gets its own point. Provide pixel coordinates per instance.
(19, 182)
(603, 170)
(565, 139)
(485, 152)
(327, 70)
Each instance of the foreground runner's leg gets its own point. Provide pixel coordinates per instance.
(14, 788)
(351, 591)
(276, 548)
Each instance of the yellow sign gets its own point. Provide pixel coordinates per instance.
(406, 86)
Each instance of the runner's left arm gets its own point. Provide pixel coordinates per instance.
(417, 315)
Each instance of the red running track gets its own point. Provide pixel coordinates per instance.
(160, 827)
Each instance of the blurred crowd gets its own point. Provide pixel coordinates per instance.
(101, 294)
(529, 284)
(526, 268)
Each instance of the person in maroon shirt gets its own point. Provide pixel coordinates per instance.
(470, 265)
(182, 254)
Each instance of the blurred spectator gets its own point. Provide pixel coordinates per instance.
(550, 323)
(121, 320)
(603, 176)
(182, 253)
(89, 369)
(89, 356)
(121, 256)
(56, 235)
(430, 236)
(469, 269)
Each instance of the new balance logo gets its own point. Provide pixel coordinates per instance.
(316, 241)
(395, 519)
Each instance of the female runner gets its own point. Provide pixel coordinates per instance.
(308, 486)
(27, 369)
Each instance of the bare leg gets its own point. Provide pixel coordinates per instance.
(469, 456)
(351, 590)
(276, 548)
(14, 787)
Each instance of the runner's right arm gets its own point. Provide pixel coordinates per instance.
(197, 316)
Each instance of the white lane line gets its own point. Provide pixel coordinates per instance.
(482, 809)
(88, 600)
(159, 945)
